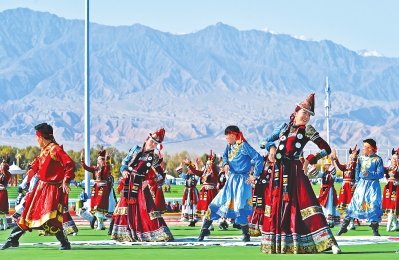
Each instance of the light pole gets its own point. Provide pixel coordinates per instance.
(327, 106)
(87, 99)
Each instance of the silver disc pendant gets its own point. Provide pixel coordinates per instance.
(278, 156)
(269, 170)
(283, 138)
(298, 145)
(149, 158)
(264, 181)
(300, 136)
(281, 147)
(148, 164)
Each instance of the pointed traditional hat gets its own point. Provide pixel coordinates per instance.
(307, 104)
(158, 136)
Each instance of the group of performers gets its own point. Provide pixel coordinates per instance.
(268, 196)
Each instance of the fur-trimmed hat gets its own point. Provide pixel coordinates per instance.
(101, 153)
(211, 158)
(158, 136)
(179, 170)
(351, 151)
(307, 105)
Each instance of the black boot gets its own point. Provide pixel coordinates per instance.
(205, 229)
(111, 226)
(65, 245)
(93, 220)
(12, 240)
(223, 225)
(374, 227)
(245, 232)
(345, 223)
(192, 224)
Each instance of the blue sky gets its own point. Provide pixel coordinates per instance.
(356, 24)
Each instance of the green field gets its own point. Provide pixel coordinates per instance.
(40, 251)
(176, 191)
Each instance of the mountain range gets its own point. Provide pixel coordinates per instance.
(193, 85)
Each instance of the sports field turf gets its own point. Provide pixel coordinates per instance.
(40, 251)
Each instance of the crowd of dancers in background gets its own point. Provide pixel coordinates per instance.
(268, 196)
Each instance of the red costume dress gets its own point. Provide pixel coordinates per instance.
(349, 173)
(5, 176)
(209, 180)
(294, 221)
(157, 192)
(190, 196)
(328, 197)
(44, 205)
(260, 190)
(390, 202)
(136, 217)
(100, 190)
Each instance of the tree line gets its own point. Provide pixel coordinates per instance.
(26, 156)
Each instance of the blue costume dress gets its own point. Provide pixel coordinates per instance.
(367, 201)
(235, 199)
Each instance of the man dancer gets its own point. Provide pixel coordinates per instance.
(43, 207)
(367, 201)
(235, 199)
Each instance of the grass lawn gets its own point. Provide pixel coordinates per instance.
(176, 191)
(371, 251)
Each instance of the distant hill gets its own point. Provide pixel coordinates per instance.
(194, 84)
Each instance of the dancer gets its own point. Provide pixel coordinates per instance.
(136, 217)
(43, 207)
(260, 190)
(294, 221)
(100, 190)
(111, 203)
(328, 195)
(5, 177)
(366, 201)
(190, 195)
(235, 199)
(390, 203)
(209, 178)
(156, 185)
(348, 183)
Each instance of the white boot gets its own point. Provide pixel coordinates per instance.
(394, 223)
(336, 249)
(100, 225)
(351, 225)
(389, 221)
(5, 224)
